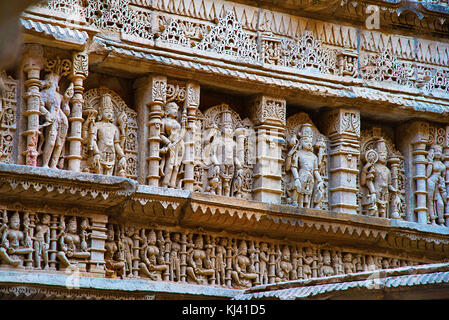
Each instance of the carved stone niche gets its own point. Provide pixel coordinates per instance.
(109, 135)
(436, 173)
(224, 164)
(8, 126)
(382, 178)
(305, 182)
(48, 123)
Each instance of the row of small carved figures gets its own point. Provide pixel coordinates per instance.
(185, 257)
(40, 244)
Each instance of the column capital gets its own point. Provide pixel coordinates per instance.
(269, 110)
(80, 64)
(158, 89)
(343, 121)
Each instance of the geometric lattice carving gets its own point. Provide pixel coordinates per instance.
(229, 38)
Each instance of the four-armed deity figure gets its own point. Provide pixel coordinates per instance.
(55, 108)
(104, 139)
(377, 178)
(172, 136)
(306, 188)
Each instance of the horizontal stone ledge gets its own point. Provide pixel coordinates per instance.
(60, 281)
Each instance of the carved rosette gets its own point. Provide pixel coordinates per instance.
(295, 128)
(382, 179)
(8, 124)
(125, 120)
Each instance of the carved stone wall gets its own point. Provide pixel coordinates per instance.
(8, 118)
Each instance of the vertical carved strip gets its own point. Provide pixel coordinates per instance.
(269, 116)
(419, 154)
(344, 135)
(97, 246)
(446, 164)
(53, 242)
(33, 63)
(79, 73)
(157, 101)
(192, 102)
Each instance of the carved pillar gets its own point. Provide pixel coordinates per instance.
(98, 238)
(80, 72)
(269, 116)
(155, 105)
(192, 103)
(344, 134)
(33, 63)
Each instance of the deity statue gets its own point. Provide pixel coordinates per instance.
(436, 185)
(377, 178)
(152, 263)
(309, 263)
(175, 257)
(126, 238)
(42, 241)
(348, 263)
(241, 274)
(197, 269)
(307, 187)
(113, 255)
(284, 265)
(55, 108)
(264, 258)
(104, 138)
(70, 243)
(172, 137)
(13, 244)
(220, 261)
(326, 269)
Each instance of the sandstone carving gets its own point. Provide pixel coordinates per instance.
(8, 126)
(381, 177)
(305, 164)
(109, 134)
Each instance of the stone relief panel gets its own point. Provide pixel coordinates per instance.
(8, 125)
(224, 164)
(305, 169)
(233, 261)
(382, 177)
(55, 108)
(109, 135)
(35, 240)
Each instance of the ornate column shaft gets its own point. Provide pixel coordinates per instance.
(98, 238)
(33, 63)
(192, 103)
(269, 116)
(156, 104)
(344, 145)
(80, 72)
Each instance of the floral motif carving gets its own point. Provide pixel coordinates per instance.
(8, 126)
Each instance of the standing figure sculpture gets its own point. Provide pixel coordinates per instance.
(377, 178)
(13, 244)
(172, 136)
(436, 185)
(306, 189)
(55, 108)
(113, 255)
(104, 139)
(42, 242)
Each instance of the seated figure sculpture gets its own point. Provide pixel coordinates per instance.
(13, 244)
(71, 244)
